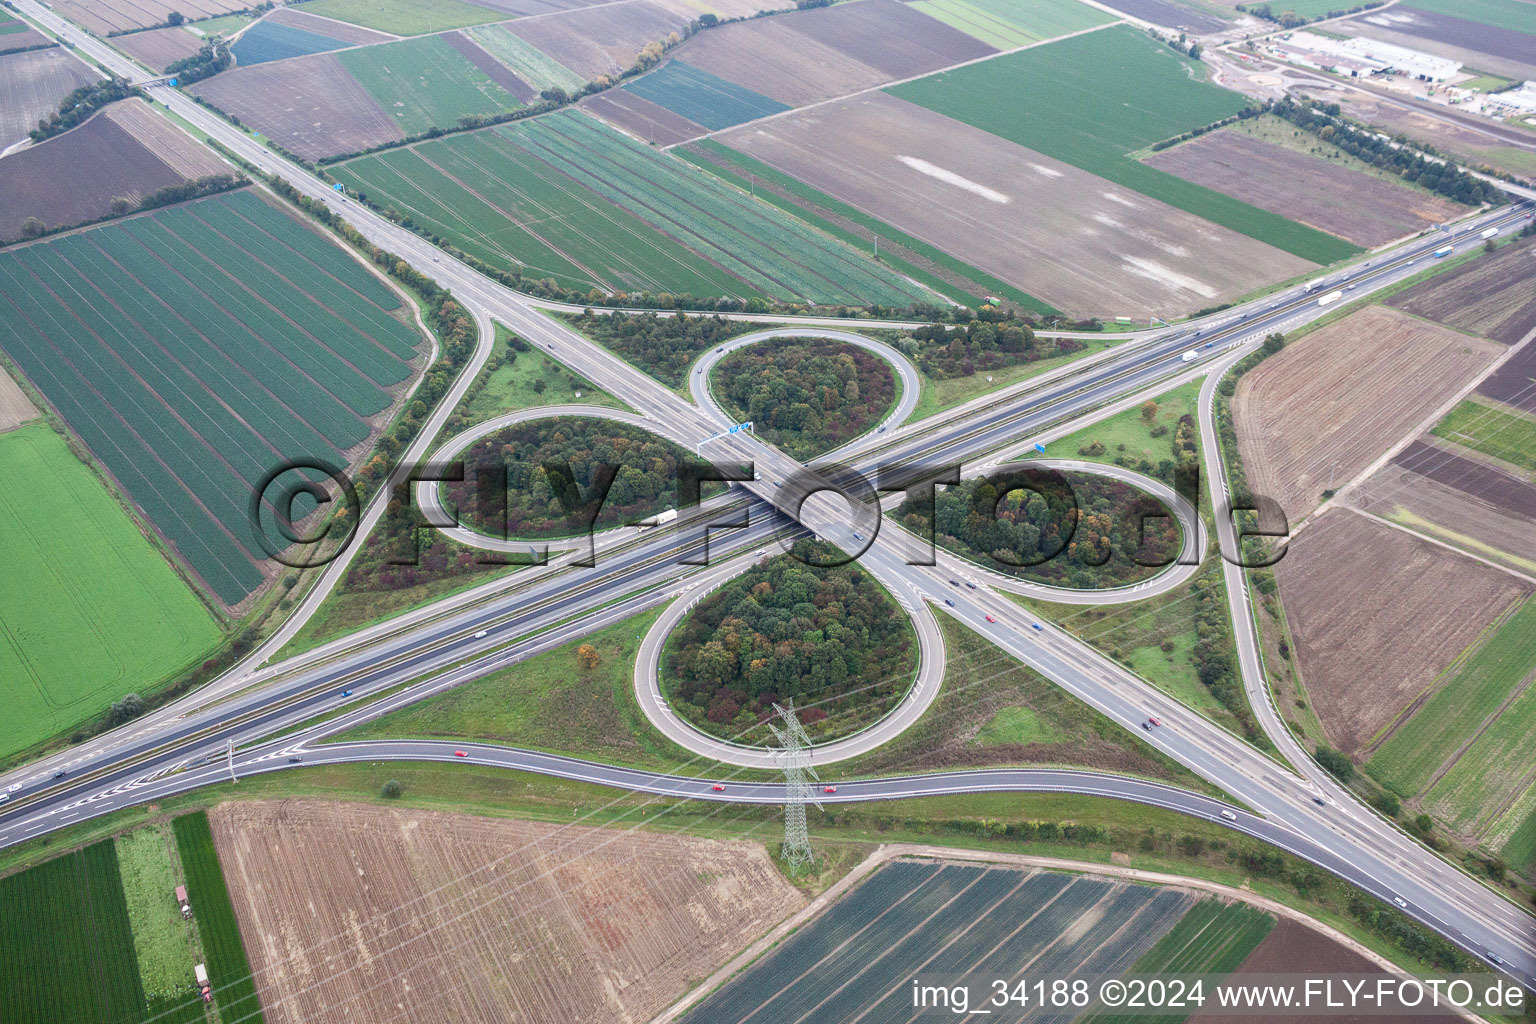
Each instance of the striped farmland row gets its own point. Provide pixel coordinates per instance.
(228, 968)
(701, 97)
(911, 920)
(192, 361)
(527, 61)
(66, 945)
(773, 252)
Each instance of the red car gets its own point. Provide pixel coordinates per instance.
(460, 753)
(991, 619)
(718, 788)
(830, 789)
(1154, 721)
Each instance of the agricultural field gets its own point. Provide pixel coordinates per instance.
(1074, 110)
(569, 198)
(103, 17)
(1294, 948)
(701, 97)
(1498, 36)
(311, 106)
(824, 52)
(352, 35)
(1479, 688)
(1493, 296)
(403, 17)
(1327, 406)
(267, 40)
(1186, 15)
(16, 34)
(641, 118)
(525, 60)
(1077, 242)
(1469, 504)
(640, 916)
(493, 69)
(1357, 592)
(163, 941)
(911, 256)
(93, 572)
(1308, 189)
(1007, 24)
(604, 40)
(1492, 430)
(856, 958)
(68, 945)
(33, 83)
(196, 308)
(229, 968)
(15, 407)
(426, 83)
(125, 150)
(159, 47)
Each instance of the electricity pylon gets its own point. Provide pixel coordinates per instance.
(795, 757)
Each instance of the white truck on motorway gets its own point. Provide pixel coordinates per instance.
(1191, 355)
(659, 519)
(1330, 298)
(1488, 232)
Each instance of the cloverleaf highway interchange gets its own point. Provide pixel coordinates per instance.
(294, 700)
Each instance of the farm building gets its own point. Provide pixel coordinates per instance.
(1362, 56)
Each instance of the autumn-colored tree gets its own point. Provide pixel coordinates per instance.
(1148, 411)
(586, 657)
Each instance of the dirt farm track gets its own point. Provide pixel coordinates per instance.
(364, 913)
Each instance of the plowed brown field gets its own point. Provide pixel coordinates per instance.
(1494, 296)
(15, 407)
(159, 47)
(1329, 405)
(599, 41)
(1377, 614)
(31, 86)
(363, 913)
(1319, 193)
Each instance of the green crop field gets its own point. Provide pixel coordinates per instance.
(263, 339)
(1007, 24)
(1515, 836)
(425, 83)
(404, 17)
(531, 64)
(1493, 771)
(228, 969)
(1408, 760)
(701, 97)
(78, 567)
(567, 198)
(162, 939)
(1492, 431)
(66, 948)
(855, 960)
(1092, 100)
(1510, 15)
(754, 241)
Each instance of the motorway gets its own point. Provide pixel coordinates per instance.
(1341, 835)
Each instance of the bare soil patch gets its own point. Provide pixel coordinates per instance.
(1170, 15)
(1494, 296)
(159, 47)
(185, 155)
(104, 16)
(642, 118)
(1329, 405)
(890, 36)
(1293, 948)
(1365, 210)
(15, 407)
(24, 40)
(1454, 511)
(1514, 382)
(1083, 244)
(1472, 475)
(530, 7)
(770, 57)
(1377, 615)
(602, 40)
(32, 84)
(355, 912)
(100, 159)
(357, 35)
(308, 105)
